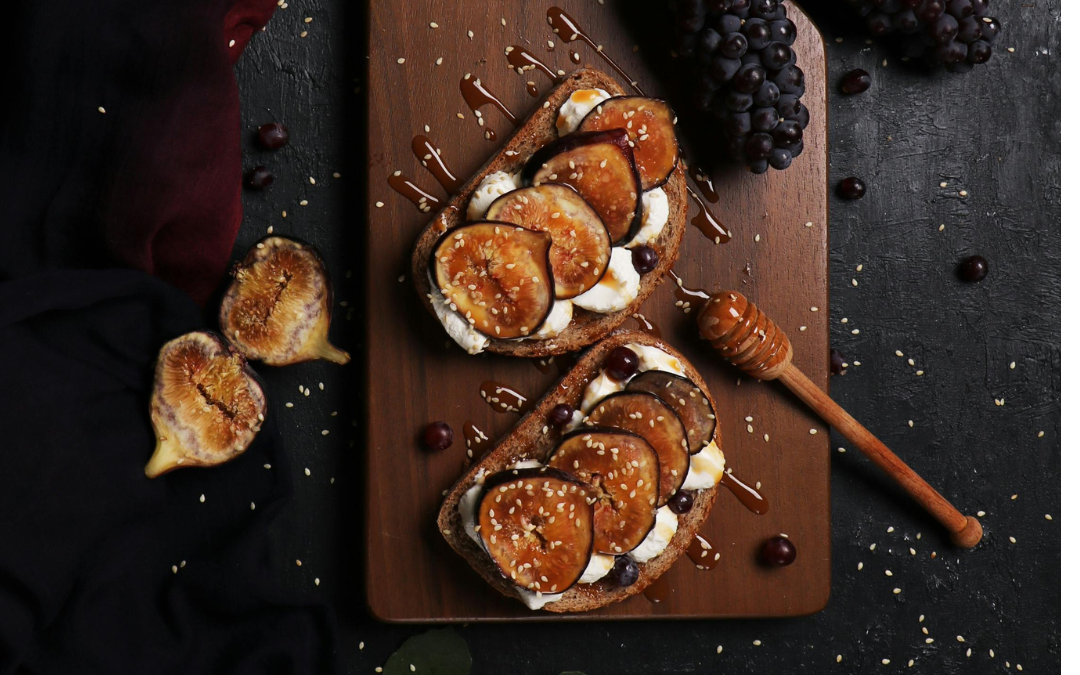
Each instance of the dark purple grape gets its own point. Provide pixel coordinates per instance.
(767, 96)
(749, 78)
(783, 31)
(621, 363)
(932, 10)
(855, 82)
(837, 362)
(953, 52)
(764, 9)
(733, 45)
(796, 149)
(624, 572)
(776, 56)
(681, 502)
(738, 101)
(764, 119)
(990, 28)
(561, 415)
(780, 158)
(758, 166)
(907, 22)
(724, 69)
(943, 31)
(259, 178)
(970, 30)
(790, 80)
(644, 258)
(960, 8)
(787, 133)
(438, 436)
(974, 268)
(778, 551)
(879, 23)
(729, 23)
(979, 52)
(759, 146)
(757, 33)
(708, 41)
(738, 124)
(852, 187)
(980, 6)
(273, 135)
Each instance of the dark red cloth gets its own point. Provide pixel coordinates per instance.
(153, 183)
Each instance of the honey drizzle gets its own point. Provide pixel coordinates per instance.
(432, 160)
(524, 60)
(703, 553)
(477, 96)
(706, 222)
(691, 299)
(502, 398)
(477, 442)
(568, 31)
(750, 498)
(414, 193)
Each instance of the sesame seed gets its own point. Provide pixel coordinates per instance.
(202, 499)
(891, 529)
(860, 567)
(174, 569)
(911, 423)
(885, 662)
(719, 648)
(757, 643)
(232, 43)
(298, 563)
(325, 432)
(813, 431)
(911, 551)
(433, 25)
(929, 641)
(1012, 540)
(1041, 434)
(1048, 517)
(959, 638)
(888, 573)
(810, 224)
(361, 646)
(316, 581)
(980, 513)
(841, 449)
(307, 471)
(266, 466)
(941, 228)
(855, 332)
(896, 591)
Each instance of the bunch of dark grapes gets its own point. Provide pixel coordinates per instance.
(956, 33)
(746, 76)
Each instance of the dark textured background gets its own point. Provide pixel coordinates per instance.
(995, 133)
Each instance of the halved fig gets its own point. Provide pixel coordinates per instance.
(624, 472)
(650, 124)
(686, 399)
(600, 166)
(580, 245)
(647, 416)
(496, 276)
(206, 406)
(277, 309)
(537, 526)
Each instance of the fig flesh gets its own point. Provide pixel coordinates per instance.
(650, 124)
(537, 526)
(600, 166)
(580, 245)
(496, 276)
(206, 406)
(624, 471)
(686, 399)
(646, 415)
(277, 309)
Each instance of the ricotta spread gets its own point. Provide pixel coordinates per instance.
(577, 107)
(460, 330)
(654, 215)
(616, 289)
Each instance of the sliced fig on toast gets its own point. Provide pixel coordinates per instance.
(686, 399)
(496, 276)
(624, 472)
(277, 309)
(646, 415)
(650, 124)
(537, 526)
(600, 166)
(580, 245)
(206, 406)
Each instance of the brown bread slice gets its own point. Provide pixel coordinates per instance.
(532, 438)
(535, 132)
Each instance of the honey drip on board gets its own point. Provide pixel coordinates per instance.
(706, 222)
(703, 553)
(559, 363)
(502, 398)
(659, 590)
(750, 498)
(568, 31)
(414, 193)
(533, 90)
(524, 60)
(432, 160)
(477, 442)
(686, 298)
(477, 96)
(703, 180)
(638, 321)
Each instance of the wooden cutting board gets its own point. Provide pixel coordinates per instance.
(778, 256)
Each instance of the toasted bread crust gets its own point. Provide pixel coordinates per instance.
(538, 130)
(532, 438)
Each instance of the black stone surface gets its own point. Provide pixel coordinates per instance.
(994, 133)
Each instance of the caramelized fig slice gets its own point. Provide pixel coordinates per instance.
(624, 472)
(600, 166)
(206, 406)
(580, 245)
(689, 403)
(650, 124)
(647, 416)
(496, 276)
(537, 526)
(277, 309)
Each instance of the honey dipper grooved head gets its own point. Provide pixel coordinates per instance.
(744, 335)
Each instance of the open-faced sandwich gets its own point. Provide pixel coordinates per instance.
(565, 231)
(599, 488)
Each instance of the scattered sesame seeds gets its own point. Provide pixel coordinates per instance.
(1012, 365)
(855, 331)
(810, 224)
(401, 60)
(719, 648)
(911, 423)
(891, 529)
(959, 638)
(929, 641)
(266, 466)
(298, 563)
(1012, 540)
(232, 43)
(303, 202)
(860, 567)
(325, 432)
(963, 193)
(896, 591)
(888, 573)
(885, 662)
(361, 645)
(433, 25)
(174, 569)
(202, 499)
(911, 551)
(839, 658)
(101, 110)
(813, 431)
(980, 513)
(841, 449)
(968, 652)
(316, 581)
(757, 643)
(307, 471)
(1040, 435)
(1048, 517)
(858, 268)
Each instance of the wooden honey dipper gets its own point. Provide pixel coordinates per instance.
(751, 341)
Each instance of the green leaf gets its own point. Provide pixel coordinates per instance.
(436, 652)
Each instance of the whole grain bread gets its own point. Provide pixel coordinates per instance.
(536, 131)
(533, 438)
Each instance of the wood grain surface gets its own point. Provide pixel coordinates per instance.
(778, 256)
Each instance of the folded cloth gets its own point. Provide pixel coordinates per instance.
(101, 569)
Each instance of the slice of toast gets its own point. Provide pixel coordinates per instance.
(533, 438)
(535, 132)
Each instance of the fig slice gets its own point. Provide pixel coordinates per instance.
(686, 399)
(650, 124)
(277, 309)
(580, 245)
(646, 415)
(600, 166)
(537, 526)
(624, 472)
(206, 406)
(496, 276)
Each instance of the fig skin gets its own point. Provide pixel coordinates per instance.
(207, 404)
(277, 309)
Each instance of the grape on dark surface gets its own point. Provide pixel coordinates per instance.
(974, 268)
(438, 436)
(273, 135)
(738, 124)
(621, 363)
(644, 259)
(778, 551)
(681, 502)
(979, 52)
(855, 82)
(259, 178)
(790, 80)
(561, 415)
(852, 188)
(624, 572)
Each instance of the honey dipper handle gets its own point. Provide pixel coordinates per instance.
(966, 530)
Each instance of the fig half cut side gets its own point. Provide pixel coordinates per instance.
(650, 125)
(277, 309)
(206, 406)
(686, 399)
